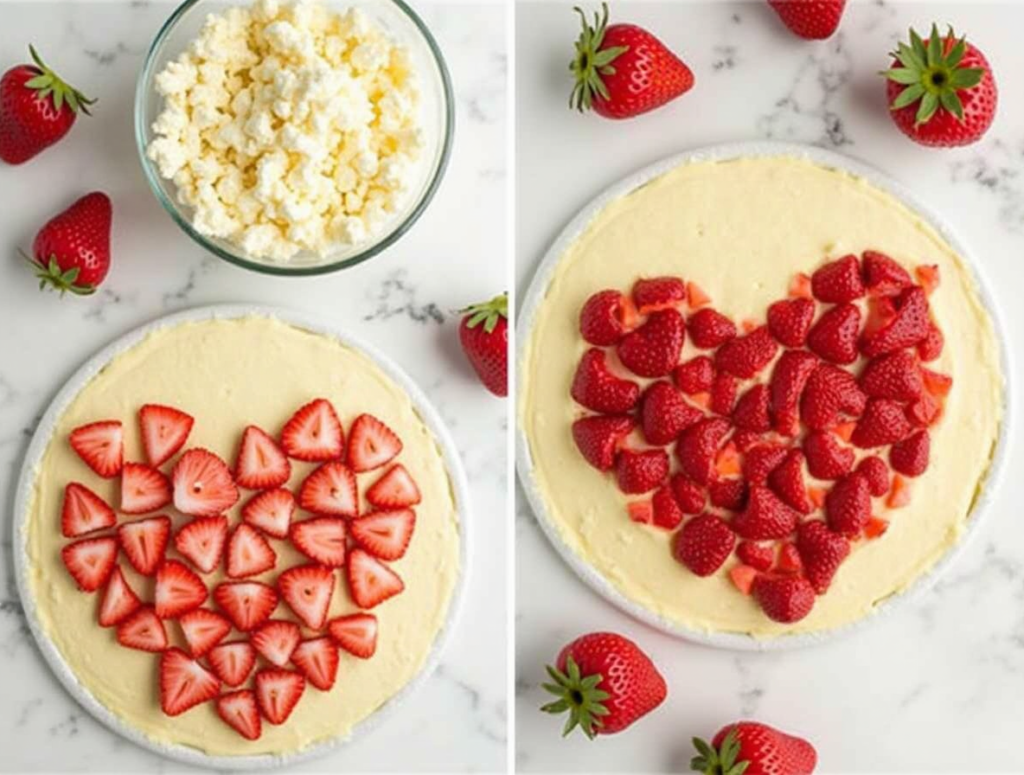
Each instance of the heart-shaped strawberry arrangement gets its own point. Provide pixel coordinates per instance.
(171, 556)
(784, 427)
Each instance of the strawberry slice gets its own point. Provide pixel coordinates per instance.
(260, 464)
(395, 490)
(370, 581)
(882, 275)
(248, 553)
(184, 683)
(278, 692)
(84, 511)
(164, 431)
(270, 511)
(321, 539)
(371, 444)
(203, 629)
(385, 534)
(143, 489)
(101, 446)
(313, 433)
(599, 438)
(330, 490)
(247, 603)
(307, 589)
(317, 660)
(356, 633)
(232, 662)
(177, 590)
(119, 600)
(143, 630)
(239, 711)
(276, 640)
(144, 542)
(202, 484)
(90, 561)
(202, 541)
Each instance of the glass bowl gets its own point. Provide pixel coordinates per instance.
(437, 117)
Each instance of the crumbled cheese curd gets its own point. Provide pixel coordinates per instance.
(288, 127)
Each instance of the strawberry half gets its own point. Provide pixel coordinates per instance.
(90, 561)
(144, 542)
(164, 431)
(203, 486)
(260, 464)
(834, 336)
(321, 539)
(606, 317)
(765, 517)
(177, 590)
(848, 505)
(314, 433)
(270, 511)
(709, 328)
(371, 444)
(276, 640)
(385, 534)
(307, 589)
(396, 489)
(595, 387)
(790, 320)
(202, 541)
(330, 490)
(143, 489)
(246, 603)
(821, 553)
(784, 599)
(317, 660)
(704, 543)
(826, 457)
(370, 582)
(240, 712)
(184, 683)
(652, 350)
(248, 553)
(640, 471)
(882, 275)
(278, 692)
(838, 281)
(745, 356)
(143, 630)
(599, 438)
(83, 511)
(698, 447)
(232, 662)
(119, 600)
(203, 629)
(101, 446)
(356, 633)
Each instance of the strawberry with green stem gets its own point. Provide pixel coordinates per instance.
(71, 253)
(484, 337)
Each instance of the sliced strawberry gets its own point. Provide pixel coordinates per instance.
(370, 582)
(930, 348)
(689, 495)
(143, 630)
(838, 281)
(664, 414)
(665, 511)
(278, 692)
(143, 489)
(723, 394)
(203, 629)
(356, 633)
(908, 326)
(928, 276)
(275, 640)
(164, 431)
(396, 489)
(331, 491)
(730, 494)
(827, 458)
(657, 293)
(270, 511)
(247, 603)
(177, 590)
(314, 433)
(765, 517)
(752, 410)
(84, 511)
(652, 350)
(829, 393)
(203, 486)
(821, 553)
(184, 683)
(876, 472)
(704, 544)
(385, 534)
(784, 599)
(745, 356)
(696, 296)
(895, 376)
(727, 461)
(144, 542)
(248, 553)
(884, 422)
(789, 559)
(744, 439)
(698, 447)
(239, 711)
(937, 385)
(790, 320)
(640, 471)
(899, 495)
(910, 456)
(606, 317)
(882, 275)
(848, 505)
(742, 576)
(260, 464)
(317, 660)
(371, 444)
(759, 556)
(202, 541)
(641, 512)
(599, 437)
(787, 481)
(307, 589)
(924, 412)
(101, 446)
(788, 380)
(119, 600)
(834, 336)
(695, 375)
(710, 329)
(595, 387)
(90, 561)
(760, 461)
(232, 662)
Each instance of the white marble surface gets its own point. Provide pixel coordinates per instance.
(402, 301)
(939, 687)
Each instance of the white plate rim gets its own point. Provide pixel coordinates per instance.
(37, 447)
(534, 297)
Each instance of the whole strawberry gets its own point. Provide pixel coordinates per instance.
(605, 682)
(623, 70)
(72, 251)
(751, 748)
(941, 92)
(810, 19)
(484, 336)
(37, 109)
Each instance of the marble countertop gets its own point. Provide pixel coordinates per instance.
(402, 302)
(939, 686)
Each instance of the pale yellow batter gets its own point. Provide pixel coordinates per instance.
(228, 374)
(741, 229)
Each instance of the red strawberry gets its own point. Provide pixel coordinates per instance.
(71, 252)
(784, 599)
(752, 410)
(765, 516)
(307, 589)
(664, 414)
(232, 662)
(605, 682)
(758, 556)
(371, 444)
(606, 317)
(143, 630)
(599, 438)
(830, 392)
(90, 561)
(202, 542)
(743, 439)
(330, 490)
(652, 350)
(177, 590)
(848, 505)
(483, 333)
(271, 511)
(709, 328)
(275, 641)
(101, 446)
(883, 422)
(143, 489)
(882, 275)
(317, 660)
(689, 495)
(144, 542)
(595, 387)
(924, 412)
(838, 281)
(641, 512)
(723, 394)
(247, 603)
(789, 321)
(666, 513)
(695, 375)
(83, 511)
(203, 486)
(834, 335)
(184, 683)
(203, 629)
(787, 481)
(657, 293)
(385, 534)
(930, 348)
(321, 539)
(745, 356)
(910, 456)
(356, 633)
(895, 376)
(370, 582)
(751, 747)
(239, 711)
(278, 692)
(119, 600)
(826, 457)
(936, 384)
(810, 19)
(314, 433)
(821, 553)
(248, 553)
(876, 472)
(164, 431)
(396, 489)
(698, 447)
(789, 377)
(941, 92)
(761, 460)
(622, 71)
(730, 494)
(260, 464)
(908, 325)
(789, 559)
(641, 471)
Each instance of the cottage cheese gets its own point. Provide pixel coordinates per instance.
(288, 127)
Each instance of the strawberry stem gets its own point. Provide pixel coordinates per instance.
(579, 695)
(48, 83)
(592, 61)
(720, 761)
(51, 276)
(488, 313)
